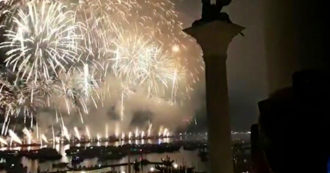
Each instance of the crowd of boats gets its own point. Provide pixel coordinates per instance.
(104, 153)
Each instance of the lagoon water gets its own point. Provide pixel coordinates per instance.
(181, 157)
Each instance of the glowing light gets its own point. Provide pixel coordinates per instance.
(16, 98)
(44, 138)
(66, 50)
(43, 42)
(88, 134)
(137, 132)
(161, 131)
(98, 137)
(117, 130)
(123, 135)
(175, 48)
(165, 132)
(14, 137)
(106, 131)
(140, 62)
(77, 134)
(3, 141)
(130, 135)
(65, 133)
(28, 135)
(54, 137)
(175, 165)
(149, 130)
(37, 130)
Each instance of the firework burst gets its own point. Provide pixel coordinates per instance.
(16, 99)
(43, 41)
(78, 87)
(140, 62)
(145, 45)
(64, 50)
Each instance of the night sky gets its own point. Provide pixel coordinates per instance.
(246, 58)
(246, 65)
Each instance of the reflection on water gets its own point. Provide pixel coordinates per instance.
(187, 158)
(181, 157)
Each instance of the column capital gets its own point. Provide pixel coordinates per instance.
(214, 37)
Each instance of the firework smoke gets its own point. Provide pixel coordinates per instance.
(77, 52)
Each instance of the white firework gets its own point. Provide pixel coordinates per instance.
(16, 99)
(78, 87)
(43, 42)
(140, 62)
(60, 49)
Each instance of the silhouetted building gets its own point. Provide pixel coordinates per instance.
(294, 125)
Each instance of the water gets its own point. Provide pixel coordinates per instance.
(181, 157)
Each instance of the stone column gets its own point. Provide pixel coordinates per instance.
(214, 38)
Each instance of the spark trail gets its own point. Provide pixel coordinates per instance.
(61, 50)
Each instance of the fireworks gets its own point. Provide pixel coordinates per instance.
(59, 50)
(3, 141)
(117, 129)
(28, 135)
(130, 135)
(123, 135)
(137, 133)
(77, 134)
(98, 137)
(106, 134)
(65, 133)
(140, 62)
(80, 135)
(88, 134)
(14, 137)
(149, 130)
(143, 43)
(43, 41)
(44, 138)
(16, 99)
(78, 87)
